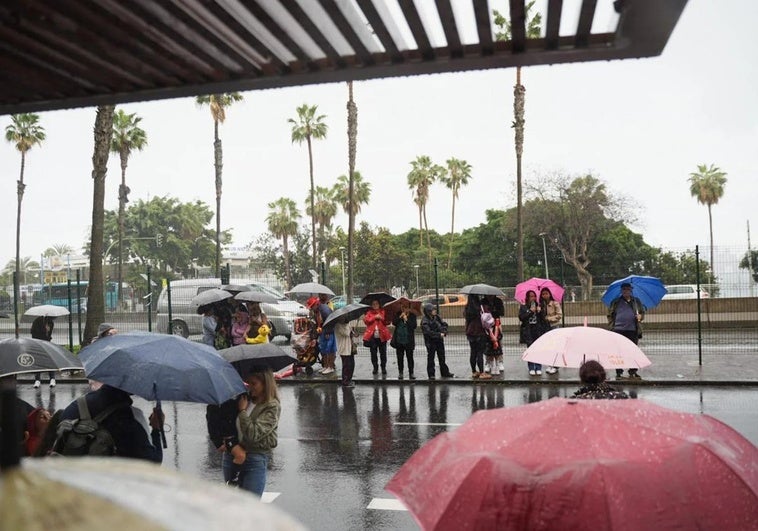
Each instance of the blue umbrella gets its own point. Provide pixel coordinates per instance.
(649, 290)
(162, 367)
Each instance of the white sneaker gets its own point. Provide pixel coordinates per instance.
(539, 372)
(37, 383)
(487, 368)
(551, 370)
(500, 366)
(495, 371)
(532, 373)
(52, 382)
(328, 370)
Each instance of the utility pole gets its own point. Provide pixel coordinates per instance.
(750, 269)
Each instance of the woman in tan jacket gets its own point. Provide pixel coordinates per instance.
(553, 316)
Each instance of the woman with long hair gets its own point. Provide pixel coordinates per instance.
(376, 336)
(477, 337)
(533, 325)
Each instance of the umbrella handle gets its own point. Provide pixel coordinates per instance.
(159, 409)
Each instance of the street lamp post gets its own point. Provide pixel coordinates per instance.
(344, 291)
(416, 268)
(544, 251)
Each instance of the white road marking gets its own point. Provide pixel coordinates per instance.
(268, 497)
(427, 423)
(386, 504)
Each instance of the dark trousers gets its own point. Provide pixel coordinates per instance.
(404, 352)
(477, 344)
(632, 336)
(348, 368)
(436, 347)
(50, 374)
(380, 348)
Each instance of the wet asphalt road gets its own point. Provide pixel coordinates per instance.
(339, 447)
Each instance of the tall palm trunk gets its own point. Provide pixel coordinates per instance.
(420, 226)
(95, 299)
(121, 214)
(218, 163)
(518, 126)
(452, 231)
(352, 146)
(20, 192)
(313, 211)
(710, 228)
(428, 239)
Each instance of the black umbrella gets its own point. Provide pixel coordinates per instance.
(243, 357)
(380, 296)
(255, 296)
(346, 313)
(210, 296)
(482, 289)
(26, 355)
(235, 288)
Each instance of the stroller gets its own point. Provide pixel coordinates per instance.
(305, 345)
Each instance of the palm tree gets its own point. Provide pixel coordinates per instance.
(352, 145)
(218, 104)
(309, 127)
(325, 209)
(127, 137)
(707, 186)
(58, 249)
(24, 266)
(457, 175)
(420, 179)
(282, 220)
(361, 193)
(532, 32)
(103, 133)
(25, 132)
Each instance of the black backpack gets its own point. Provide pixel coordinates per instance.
(85, 435)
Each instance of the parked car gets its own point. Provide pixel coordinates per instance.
(446, 299)
(684, 291)
(341, 300)
(185, 321)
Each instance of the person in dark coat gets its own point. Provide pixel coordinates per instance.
(534, 323)
(130, 436)
(403, 339)
(592, 375)
(477, 336)
(435, 330)
(625, 317)
(42, 328)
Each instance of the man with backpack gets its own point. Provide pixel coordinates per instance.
(103, 422)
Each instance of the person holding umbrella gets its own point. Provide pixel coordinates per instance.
(624, 317)
(42, 328)
(346, 348)
(376, 336)
(533, 324)
(403, 340)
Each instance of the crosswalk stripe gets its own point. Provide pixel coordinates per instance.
(386, 504)
(268, 497)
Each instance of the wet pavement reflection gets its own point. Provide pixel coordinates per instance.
(339, 447)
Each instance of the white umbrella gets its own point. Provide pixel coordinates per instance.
(310, 288)
(47, 310)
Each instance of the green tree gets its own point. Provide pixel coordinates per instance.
(24, 132)
(504, 33)
(25, 268)
(458, 174)
(282, 221)
(750, 262)
(58, 249)
(218, 103)
(103, 133)
(420, 179)
(309, 127)
(127, 137)
(361, 193)
(325, 207)
(707, 186)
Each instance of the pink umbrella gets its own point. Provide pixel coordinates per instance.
(536, 285)
(570, 347)
(583, 464)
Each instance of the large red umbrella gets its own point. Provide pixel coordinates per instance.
(583, 464)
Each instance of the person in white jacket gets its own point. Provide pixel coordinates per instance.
(346, 349)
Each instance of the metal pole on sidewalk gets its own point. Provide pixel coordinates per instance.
(70, 318)
(699, 321)
(79, 304)
(149, 300)
(436, 285)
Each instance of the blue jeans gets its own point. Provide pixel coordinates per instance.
(534, 366)
(252, 473)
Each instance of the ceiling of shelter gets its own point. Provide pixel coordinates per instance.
(58, 54)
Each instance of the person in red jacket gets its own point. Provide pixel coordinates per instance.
(376, 336)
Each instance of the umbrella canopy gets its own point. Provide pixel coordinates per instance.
(346, 313)
(583, 464)
(380, 296)
(113, 493)
(47, 310)
(255, 296)
(570, 347)
(234, 289)
(245, 356)
(310, 288)
(25, 355)
(162, 367)
(209, 296)
(649, 290)
(482, 289)
(536, 284)
(392, 308)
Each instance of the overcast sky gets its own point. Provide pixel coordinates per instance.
(639, 125)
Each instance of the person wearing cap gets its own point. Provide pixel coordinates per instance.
(105, 330)
(435, 330)
(624, 317)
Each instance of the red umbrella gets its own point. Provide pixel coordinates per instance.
(583, 464)
(536, 285)
(393, 307)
